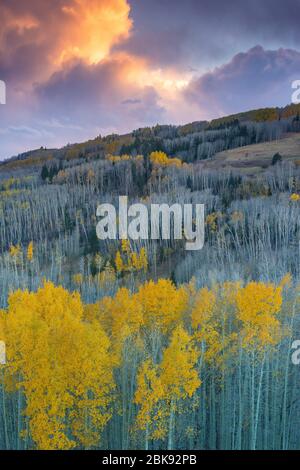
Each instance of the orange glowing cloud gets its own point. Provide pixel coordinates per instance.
(93, 27)
(44, 38)
(63, 63)
(47, 34)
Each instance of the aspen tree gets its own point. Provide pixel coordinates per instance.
(258, 307)
(162, 387)
(30, 251)
(61, 364)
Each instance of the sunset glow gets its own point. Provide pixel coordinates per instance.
(99, 66)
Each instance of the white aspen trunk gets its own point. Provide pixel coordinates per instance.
(285, 393)
(171, 425)
(7, 445)
(258, 405)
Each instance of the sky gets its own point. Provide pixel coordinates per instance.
(75, 69)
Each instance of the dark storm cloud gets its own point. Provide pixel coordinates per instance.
(199, 32)
(257, 78)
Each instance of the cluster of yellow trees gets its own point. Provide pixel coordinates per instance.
(15, 251)
(125, 157)
(136, 359)
(128, 260)
(162, 159)
(158, 158)
(60, 363)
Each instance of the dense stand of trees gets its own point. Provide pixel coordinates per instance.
(140, 344)
(162, 367)
(252, 225)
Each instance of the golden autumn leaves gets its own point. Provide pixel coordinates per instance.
(233, 313)
(128, 260)
(67, 357)
(161, 387)
(161, 159)
(61, 363)
(15, 252)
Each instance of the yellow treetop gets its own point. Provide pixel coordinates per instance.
(14, 251)
(163, 304)
(258, 306)
(30, 251)
(161, 159)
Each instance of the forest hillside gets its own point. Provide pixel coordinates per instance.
(139, 343)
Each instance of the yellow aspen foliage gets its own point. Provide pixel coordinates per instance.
(143, 259)
(213, 312)
(126, 317)
(61, 363)
(203, 310)
(113, 158)
(228, 292)
(160, 388)
(295, 197)
(121, 317)
(205, 323)
(129, 260)
(161, 159)
(101, 312)
(134, 260)
(139, 261)
(30, 251)
(98, 260)
(125, 246)
(119, 263)
(107, 276)
(162, 303)
(179, 377)
(212, 220)
(125, 157)
(14, 251)
(158, 342)
(148, 397)
(258, 307)
(93, 387)
(91, 312)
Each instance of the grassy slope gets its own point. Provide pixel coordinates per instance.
(255, 158)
